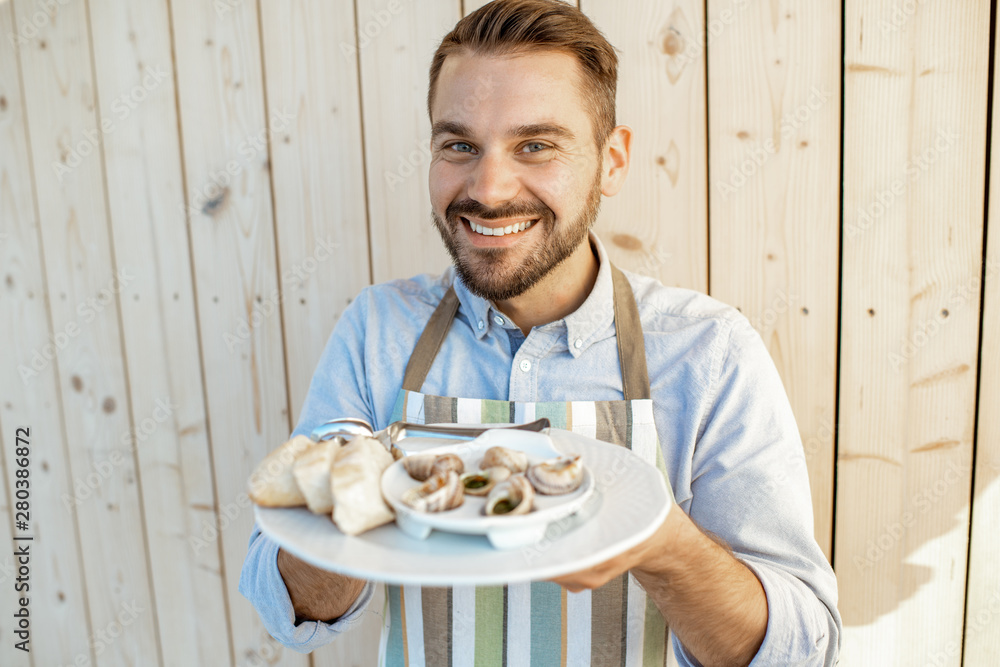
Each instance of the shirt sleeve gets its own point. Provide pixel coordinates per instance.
(338, 389)
(750, 487)
(262, 585)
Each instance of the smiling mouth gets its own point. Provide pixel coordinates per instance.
(499, 231)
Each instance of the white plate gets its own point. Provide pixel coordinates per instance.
(503, 532)
(629, 502)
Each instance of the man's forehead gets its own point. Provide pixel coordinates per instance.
(526, 89)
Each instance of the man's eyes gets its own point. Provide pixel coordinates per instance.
(466, 148)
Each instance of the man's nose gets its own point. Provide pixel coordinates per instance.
(493, 181)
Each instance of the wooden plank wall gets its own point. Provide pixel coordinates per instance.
(191, 193)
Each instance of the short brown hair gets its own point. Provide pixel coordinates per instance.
(506, 27)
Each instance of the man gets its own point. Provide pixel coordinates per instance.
(534, 315)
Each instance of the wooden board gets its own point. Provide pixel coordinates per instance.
(310, 66)
(658, 224)
(774, 82)
(225, 124)
(395, 50)
(914, 137)
(318, 174)
(135, 86)
(83, 282)
(982, 608)
(58, 591)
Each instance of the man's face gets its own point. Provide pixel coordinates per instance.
(513, 149)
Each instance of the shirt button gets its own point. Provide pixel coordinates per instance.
(578, 343)
(498, 320)
(525, 365)
(481, 325)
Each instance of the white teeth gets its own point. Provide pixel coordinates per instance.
(500, 231)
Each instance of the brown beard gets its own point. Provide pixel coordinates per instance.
(484, 270)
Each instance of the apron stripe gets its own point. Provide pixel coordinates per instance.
(548, 629)
(413, 626)
(503, 660)
(584, 418)
(396, 647)
(489, 626)
(636, 623)
(519, 635)
(565, 625)
(467, 411)
(555, 411)
(495, 412)
(654, 643)
(606, 635)
(578, 635)
(463, 625)
(612, 422)
(436, 608)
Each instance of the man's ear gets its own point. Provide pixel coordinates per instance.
(615, 160)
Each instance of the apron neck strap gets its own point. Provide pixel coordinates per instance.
(628, 331)
(631, 344)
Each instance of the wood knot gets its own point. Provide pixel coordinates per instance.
(673, 43)
(743, 134)
(77, 383)
(108, 405)
(3, 103)
(626, 241)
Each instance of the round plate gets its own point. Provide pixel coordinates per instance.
(504, 532)
(629, 502)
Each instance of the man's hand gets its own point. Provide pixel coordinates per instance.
(317, 595)
(711, 601)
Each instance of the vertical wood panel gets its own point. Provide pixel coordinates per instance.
(774, 86)
(83, 282)
(395, 49)
(225, 124)
(658, 224)
(982, 609)
(29, 397)
(318, 174)
(311, 67)
(136, 104)
(915, 103)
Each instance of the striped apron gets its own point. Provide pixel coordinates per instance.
(537, 623)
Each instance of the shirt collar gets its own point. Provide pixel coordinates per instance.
(581, 328)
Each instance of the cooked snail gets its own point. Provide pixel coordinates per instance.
(556, 476)
(442, 491)
(421, 466)
(510, 497)
(481, 482)
(511, 459)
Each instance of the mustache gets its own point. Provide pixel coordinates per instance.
(471, 207)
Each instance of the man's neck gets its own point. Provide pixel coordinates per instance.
(557, 295)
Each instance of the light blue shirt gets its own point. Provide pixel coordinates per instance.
(729, 439)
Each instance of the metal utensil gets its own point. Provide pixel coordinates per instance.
(400, 430)
(342, 426)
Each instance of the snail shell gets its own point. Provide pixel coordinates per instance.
(481, 482)
(511, 459)
(442, 491)
(421, 466)
(556, 476)
(509, 497)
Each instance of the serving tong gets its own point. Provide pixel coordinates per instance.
(346, 427)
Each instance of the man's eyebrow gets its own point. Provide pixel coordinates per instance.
(544, 129)
(519, 132)
(450, 127)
